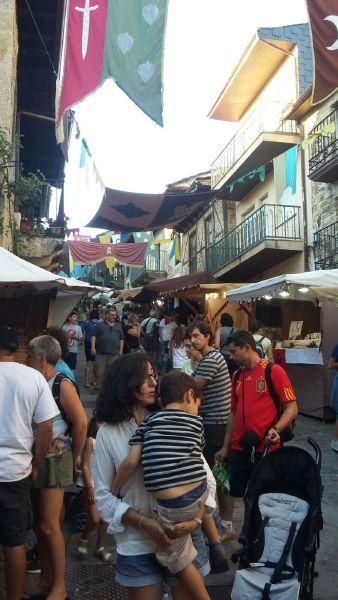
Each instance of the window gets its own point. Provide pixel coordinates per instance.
(209, 231)
(192, 246)
(193, 253)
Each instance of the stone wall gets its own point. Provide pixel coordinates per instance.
(8, 64)
(322, 197)
(38, 249)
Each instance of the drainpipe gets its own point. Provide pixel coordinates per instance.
(304, 202)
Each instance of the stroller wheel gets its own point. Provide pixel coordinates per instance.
(77, 511)
(80, 520)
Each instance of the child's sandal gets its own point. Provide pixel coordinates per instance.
(104, 555)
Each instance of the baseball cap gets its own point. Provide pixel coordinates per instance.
(8, 338)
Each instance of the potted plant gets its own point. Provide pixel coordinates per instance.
(27, 193)
(57, 227)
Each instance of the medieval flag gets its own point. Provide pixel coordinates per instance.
(323, 15)
(85, 253)
(122, 40)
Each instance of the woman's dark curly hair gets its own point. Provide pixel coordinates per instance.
(124, 377)
(61, 337)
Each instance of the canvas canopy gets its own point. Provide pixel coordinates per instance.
(16, 273)
(321, 285)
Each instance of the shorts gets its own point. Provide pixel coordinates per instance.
(88, 352)
(214, 438)
(71, 360)
(56, 471)
(15, 512)
(102, 362)
(143, 569)
(240, 470)
(174, 510)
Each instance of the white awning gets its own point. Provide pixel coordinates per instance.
(321, 285)
(16, 272)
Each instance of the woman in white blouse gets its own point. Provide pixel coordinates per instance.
(127, 396)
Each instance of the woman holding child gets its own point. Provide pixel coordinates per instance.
(128, 396)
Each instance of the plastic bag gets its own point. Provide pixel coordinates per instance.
(221, 474)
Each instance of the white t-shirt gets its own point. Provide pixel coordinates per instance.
(73, 330)
(149, 324)
(167, 329)
(24, 398)
(179, 357)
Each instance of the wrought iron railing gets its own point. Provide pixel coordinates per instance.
(324, 146)
(193, 264)
(268, 116)
(326, 247)
(152, 265)
(268, 222)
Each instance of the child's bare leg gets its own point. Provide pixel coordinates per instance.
(193, 583)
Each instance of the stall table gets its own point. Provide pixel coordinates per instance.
(305, 367)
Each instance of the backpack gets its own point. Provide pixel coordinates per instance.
(59, 377)
(287, 434)
(259, 347)
(224, 343)
(153, 335)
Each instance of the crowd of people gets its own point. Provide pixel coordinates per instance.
(172, 401)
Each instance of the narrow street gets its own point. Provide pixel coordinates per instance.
(90, 578)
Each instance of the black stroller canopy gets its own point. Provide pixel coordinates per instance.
(288, 470)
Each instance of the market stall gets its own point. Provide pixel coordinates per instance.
(32, 298)
(200, 293)
(300, 314)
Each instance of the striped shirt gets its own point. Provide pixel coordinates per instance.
(216, 402)
(172, 443)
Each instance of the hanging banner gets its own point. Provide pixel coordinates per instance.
(110, 262)
(123, 40)
(88, 252)
(131, 211)
(323, 16)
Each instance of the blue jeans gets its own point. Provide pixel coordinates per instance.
(161, 355)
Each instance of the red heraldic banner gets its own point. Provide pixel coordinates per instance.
(83, 60)
(120, 39)
(323, 16)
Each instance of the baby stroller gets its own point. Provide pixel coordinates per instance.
(282, 521)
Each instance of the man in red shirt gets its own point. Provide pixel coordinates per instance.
(254, 420)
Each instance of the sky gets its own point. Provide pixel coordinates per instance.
(204, 41)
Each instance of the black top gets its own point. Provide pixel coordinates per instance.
(131, 341)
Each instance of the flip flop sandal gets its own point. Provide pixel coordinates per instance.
(82, 547)
(104, 555)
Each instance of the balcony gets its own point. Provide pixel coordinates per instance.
(266, 237)
(262, 137)
(323, 151)
(326, 247)
(155, 267)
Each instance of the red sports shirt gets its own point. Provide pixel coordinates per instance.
(255, 409)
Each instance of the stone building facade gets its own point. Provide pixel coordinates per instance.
(8, 68)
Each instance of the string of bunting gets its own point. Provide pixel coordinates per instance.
(328, 129)
(260, 171)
